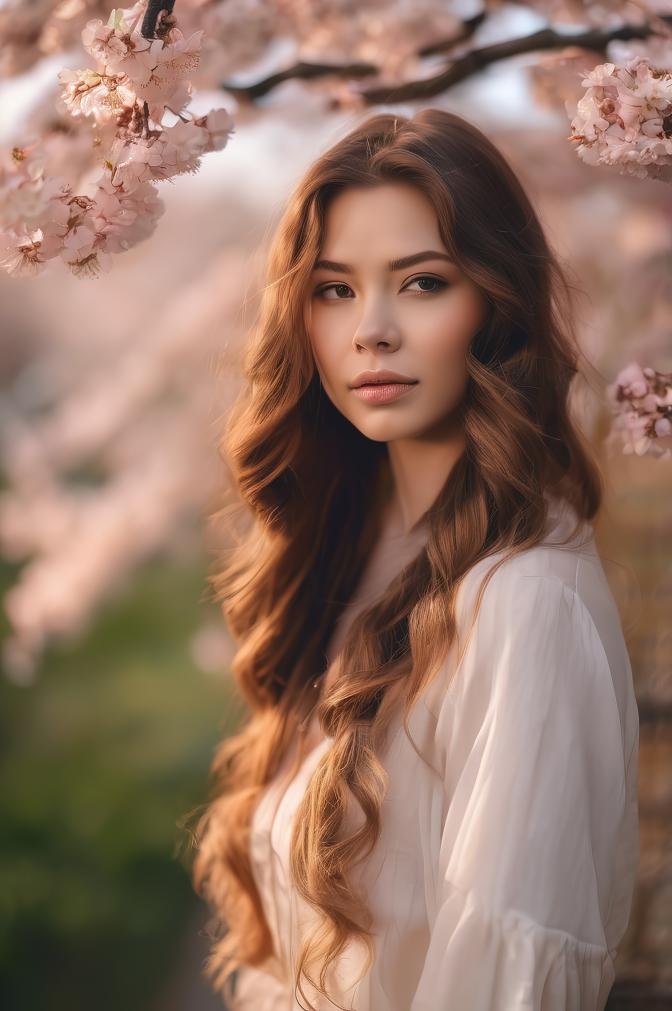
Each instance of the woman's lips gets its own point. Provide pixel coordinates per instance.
(382, 393)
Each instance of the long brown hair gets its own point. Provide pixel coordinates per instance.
(305, 477)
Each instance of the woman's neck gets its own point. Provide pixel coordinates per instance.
(419, 468)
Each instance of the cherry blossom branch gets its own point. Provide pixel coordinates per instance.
(477, 59)
(301, 70)
(469, 26)
(154, 9)
(135, 80)
(460, 68)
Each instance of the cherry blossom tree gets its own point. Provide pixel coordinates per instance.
(144, 64)
(80, 187)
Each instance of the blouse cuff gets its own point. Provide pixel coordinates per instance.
(509, 962)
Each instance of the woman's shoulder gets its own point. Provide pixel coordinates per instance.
(566, 555)
(557, 585)
(549, 598)
(546, 621)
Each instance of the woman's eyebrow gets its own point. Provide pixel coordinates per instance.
(401, 264)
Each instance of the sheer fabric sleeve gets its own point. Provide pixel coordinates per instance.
(536, 803)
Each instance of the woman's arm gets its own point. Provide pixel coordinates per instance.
(540, 812)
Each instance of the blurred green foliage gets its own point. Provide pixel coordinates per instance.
(102, 759)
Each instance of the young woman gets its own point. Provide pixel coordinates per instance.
(432, 806)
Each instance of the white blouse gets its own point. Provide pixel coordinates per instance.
(503, 878)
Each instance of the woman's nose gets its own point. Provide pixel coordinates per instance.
(376, 330)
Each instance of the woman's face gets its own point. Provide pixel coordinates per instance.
(416, 319)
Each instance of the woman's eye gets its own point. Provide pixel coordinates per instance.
(433, 280)
(339, 288)
(329, 287)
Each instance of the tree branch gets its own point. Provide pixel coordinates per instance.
(310, 71)
(469, 26)
(474, 61)
(459, 69)
(299, 71)
(154, 9)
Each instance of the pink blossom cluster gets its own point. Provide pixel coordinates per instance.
(126, 96)
(641, 399)
(625, 118)
(43, 219)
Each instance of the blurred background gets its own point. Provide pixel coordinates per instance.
(114, 392)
